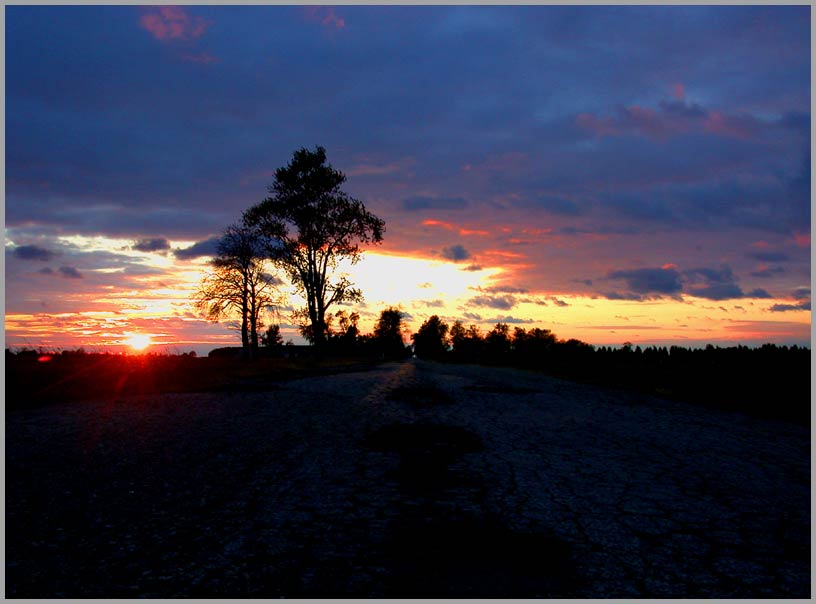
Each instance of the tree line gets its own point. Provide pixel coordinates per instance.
(769, 381)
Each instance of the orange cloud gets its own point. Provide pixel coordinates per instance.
(438, 223)
(479, 232)
(173, 22)
(452, 227)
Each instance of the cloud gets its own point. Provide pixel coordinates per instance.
(173, 23)
(703, 282)
(46, 271)
(558, 205)
(422, 202)
(801, 293)
(671, 118)
(557, 302)
(325, 15)
(758, 293)
(69, 272)
(502, 289)
(790, 307)
(457, 253)
(508, 319)
(155, 244)
(208, 247)
(766, 256)
(768, 272)
(472, 316)
(500, 302)
(472, 268)
(717, 284)
(621, 296)
(33, 252)
(432, 303)
(661, 281)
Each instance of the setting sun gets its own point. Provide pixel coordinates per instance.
(138, 341)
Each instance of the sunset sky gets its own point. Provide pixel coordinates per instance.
(610, 173)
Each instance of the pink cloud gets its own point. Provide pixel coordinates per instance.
(325, 15)
(670, 119)
(600, 126)
(802, 239)
(679, 91)
(736, 126)
(367, 167)
(173, 23)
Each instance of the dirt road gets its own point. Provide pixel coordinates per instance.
(412, 479)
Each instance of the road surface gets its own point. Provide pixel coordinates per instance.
(410, 479)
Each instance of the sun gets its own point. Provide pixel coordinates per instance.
(139, 341)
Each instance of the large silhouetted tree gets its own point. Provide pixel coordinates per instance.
(238, 284)
(308, 224)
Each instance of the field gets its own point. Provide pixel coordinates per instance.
(36, 379)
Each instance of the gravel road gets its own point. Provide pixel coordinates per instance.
(411, 479)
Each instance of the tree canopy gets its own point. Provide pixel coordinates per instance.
(307, 225)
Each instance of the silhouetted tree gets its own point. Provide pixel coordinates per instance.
(308, 225)
(238, 283)
(346, 336)
(388, 333)
(429, 341)
(497, 342)
(272, 338)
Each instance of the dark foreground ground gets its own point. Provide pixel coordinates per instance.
(412, 479)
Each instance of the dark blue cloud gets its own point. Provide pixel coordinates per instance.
(790, 307)
(33, 252)
(155, 244)
(208, 247)
(500, 302)
(703, 282)
(558, 205)
(69, 272)
(457, 253)
(717, 284)
(509, 320)
(434, 203)
(769, 272)
(768, 256)
(660, 281)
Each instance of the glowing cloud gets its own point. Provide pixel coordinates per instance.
(173, 23)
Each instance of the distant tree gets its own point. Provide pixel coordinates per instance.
(430, 340)
(308, 224)
(272, 338)
(238, 284)
(347, 324)
(388, 333)
(497, 342)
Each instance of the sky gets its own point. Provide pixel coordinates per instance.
(611, 173)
